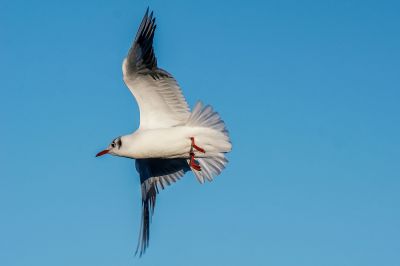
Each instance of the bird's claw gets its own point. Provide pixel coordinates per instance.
(193, 163)
(196, 147)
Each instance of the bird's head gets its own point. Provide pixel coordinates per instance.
(113, 148)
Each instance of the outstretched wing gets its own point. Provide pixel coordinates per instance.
(155, 174)
(157, 93)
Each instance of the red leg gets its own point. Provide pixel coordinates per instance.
(197, 147)
(193, 164)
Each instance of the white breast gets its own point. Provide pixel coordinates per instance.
(173, 142)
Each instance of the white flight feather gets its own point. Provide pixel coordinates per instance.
(161, 102)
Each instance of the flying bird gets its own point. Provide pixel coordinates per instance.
(171, 140)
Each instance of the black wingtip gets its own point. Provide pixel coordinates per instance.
(148, 206)
(146, 14)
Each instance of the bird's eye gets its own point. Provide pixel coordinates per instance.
(113, 145)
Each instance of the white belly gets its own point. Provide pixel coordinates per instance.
(159, 143)
(170, 142)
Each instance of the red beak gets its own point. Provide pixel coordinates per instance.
(102, 153)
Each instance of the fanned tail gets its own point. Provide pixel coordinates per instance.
(213, 163)
(205, 116)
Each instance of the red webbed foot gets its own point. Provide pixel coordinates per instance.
(193, 163)
(196, 147)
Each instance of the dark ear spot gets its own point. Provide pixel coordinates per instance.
(119, 143)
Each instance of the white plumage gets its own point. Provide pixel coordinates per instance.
(170, 140)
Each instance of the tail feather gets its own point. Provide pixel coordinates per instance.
(206, 117)
(213, 163)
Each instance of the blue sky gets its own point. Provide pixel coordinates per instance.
(309, 91)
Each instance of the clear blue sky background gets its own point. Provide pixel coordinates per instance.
(310, 93)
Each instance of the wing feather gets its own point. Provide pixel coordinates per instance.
(160, 99)
(155, 174)
(141, 55)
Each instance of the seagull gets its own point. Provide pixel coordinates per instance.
(171, 140)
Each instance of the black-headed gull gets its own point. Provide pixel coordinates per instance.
(170, 140)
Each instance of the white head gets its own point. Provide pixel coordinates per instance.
(114, 148)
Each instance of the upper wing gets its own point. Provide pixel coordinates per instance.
(157, 93)
(155, 174)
